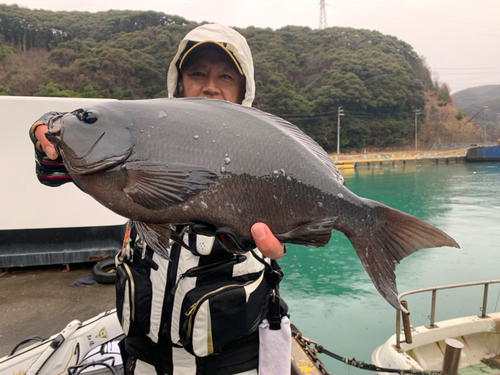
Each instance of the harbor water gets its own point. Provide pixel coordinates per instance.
(331, 298)
(333, 301)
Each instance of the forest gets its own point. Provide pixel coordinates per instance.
(303, 75)
(482, 104)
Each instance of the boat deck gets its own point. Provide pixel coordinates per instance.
(489, 366)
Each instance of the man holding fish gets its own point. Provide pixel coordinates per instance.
(225, 169)
(215, 62)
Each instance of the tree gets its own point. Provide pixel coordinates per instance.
(52, 90)
(89, 92)
(302, 74)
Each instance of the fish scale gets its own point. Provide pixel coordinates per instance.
(175, 161)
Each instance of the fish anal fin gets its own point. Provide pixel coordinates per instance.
(156, 185)
(315, 233)
(382, 247)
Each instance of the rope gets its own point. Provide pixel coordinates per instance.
(305, 342)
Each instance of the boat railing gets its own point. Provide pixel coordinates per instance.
(404, 313)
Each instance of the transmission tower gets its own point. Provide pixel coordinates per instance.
(322, 15)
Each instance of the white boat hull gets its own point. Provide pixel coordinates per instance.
(76, 341)
(480, 336)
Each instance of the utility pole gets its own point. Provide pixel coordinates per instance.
(322, 15)
(417, 112)
(340, 113)
(485, 108)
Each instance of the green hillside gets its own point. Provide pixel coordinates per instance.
(303, 75)
(482, 105)
(476, 95)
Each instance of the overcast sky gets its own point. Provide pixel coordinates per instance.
(459, 38)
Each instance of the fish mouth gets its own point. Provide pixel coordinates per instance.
(54, 125)
(54, 129)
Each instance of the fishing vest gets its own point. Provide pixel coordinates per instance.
(195, 306)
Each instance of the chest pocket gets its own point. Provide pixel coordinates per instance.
(217, 313)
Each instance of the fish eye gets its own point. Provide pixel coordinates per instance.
(88, 117)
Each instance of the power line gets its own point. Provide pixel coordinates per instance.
(477, 83)
(466, 74)
(351, 112)
(496, 68)
(334, 114)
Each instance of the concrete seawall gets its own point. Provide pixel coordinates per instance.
(400, 161)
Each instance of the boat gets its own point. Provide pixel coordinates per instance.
(423, 348)
(91, 345)
(483, 153)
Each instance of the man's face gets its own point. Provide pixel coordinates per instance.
(212, 74)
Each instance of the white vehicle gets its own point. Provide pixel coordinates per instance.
(80, 229)
(424, 346)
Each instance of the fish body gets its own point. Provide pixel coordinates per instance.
(174, 161)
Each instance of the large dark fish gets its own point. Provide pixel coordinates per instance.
(173, 161)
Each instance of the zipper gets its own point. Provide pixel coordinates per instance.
(214, 267)
(208, 269)
(190, 313)
(132, 292)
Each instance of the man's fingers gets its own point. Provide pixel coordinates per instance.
(47, 147)
(268, 245)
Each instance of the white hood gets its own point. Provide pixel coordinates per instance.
(235, 43)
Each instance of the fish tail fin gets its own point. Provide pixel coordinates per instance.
(393, 235)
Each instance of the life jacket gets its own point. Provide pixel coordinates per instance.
(201, 305)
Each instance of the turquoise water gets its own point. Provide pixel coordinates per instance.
(331, 297)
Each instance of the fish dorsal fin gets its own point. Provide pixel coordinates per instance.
(156, 185)
(309, 143)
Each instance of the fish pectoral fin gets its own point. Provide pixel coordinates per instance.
(315, 233)
(158, 236)
(157, 185)
(380, 249)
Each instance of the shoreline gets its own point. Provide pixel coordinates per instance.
(419, 154)
(369, 160)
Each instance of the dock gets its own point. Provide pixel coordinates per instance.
(484, 153)
(388, 161)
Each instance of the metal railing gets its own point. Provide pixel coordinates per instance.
(405, 313)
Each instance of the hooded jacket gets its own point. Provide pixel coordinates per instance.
(233, 41)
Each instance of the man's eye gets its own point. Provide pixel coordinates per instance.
(226, 76)
(196, 74)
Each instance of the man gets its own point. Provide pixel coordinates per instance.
(212, 61)
(199, 84)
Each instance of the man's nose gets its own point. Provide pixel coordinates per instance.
(211, 89)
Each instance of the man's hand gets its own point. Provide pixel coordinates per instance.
(268, 245)
(47, 147)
